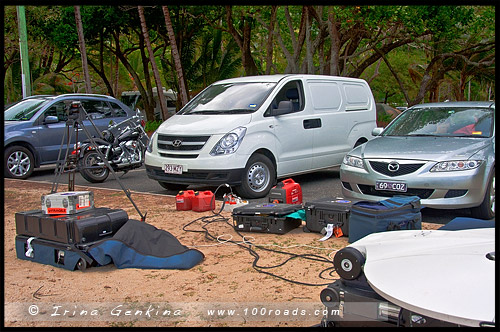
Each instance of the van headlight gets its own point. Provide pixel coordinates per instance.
(149, 148)
(229, 143)
(456, 165)
(353, 161)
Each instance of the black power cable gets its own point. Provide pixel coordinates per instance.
(217, 217)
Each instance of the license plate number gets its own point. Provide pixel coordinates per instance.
(172, 169)
(391, 186)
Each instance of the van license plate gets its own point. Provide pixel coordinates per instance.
(391, 186)
(172, 169)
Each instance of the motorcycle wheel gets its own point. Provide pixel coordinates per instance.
(90, 170)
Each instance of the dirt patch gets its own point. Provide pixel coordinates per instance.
(42, 295)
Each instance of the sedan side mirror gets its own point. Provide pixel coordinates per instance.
(377, 131)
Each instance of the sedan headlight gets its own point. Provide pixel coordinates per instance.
(353, 161)
(230, 142)
(456, 165)
(150, 143)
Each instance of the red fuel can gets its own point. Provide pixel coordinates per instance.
(184, 200)
(287, 192)
(203, 201)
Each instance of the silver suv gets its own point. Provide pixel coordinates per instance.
(34, 128)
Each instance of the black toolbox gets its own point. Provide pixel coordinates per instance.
(266, 218)
(326, 211)
(83, 227)
(64, 255)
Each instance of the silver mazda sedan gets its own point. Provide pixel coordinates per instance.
(442, 152)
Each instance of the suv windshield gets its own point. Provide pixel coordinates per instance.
(231, 98)
(24, 110)
(443, 121)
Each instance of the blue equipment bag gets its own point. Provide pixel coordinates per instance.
(63, 255)
(396, 213)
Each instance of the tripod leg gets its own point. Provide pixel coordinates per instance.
(105, 160)
(60, 165)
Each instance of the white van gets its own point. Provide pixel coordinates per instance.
(250, 131)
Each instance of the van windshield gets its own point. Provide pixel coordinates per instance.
(231, 98)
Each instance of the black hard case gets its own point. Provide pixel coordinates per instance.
(83, 227)
(326, 211)
(62, 255)
(353, 303)
(266, 218)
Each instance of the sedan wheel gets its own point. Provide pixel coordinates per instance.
(487, 209)
(19, 162)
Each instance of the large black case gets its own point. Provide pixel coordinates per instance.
(353, 303)
(326, 211)
(266, 218)
(83, 227)
(62, 255)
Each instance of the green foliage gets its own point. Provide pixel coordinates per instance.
(152, 125)
(209, 53)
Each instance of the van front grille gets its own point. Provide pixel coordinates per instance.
(176, 143)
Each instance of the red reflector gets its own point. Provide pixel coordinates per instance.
(143, 123)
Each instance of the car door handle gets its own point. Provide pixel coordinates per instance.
(312, 123)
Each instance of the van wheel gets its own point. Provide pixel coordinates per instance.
(258, 177)
(486, 210)
(18, 162)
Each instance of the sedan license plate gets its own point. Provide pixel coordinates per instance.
(391, 186)
(172, 169)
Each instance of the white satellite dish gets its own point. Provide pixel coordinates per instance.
(446, 275)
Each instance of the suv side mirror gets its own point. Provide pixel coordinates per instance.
(284, 107)
(50, 119)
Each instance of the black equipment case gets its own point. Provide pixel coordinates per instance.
(63, 255)
(266, 218)
(353, 303)
(326, 211)
(79, 228)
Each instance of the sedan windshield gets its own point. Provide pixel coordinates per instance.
(443, 121)
(231, 98)
(24, 110)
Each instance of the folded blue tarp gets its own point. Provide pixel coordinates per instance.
(140, 245)
(460, 223)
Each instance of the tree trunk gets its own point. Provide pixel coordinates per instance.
(148, 108)
(83, 51)
(183, 90)
(269, 46)
(243, 42)
(156, 73)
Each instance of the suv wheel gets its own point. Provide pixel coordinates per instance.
(18, 163)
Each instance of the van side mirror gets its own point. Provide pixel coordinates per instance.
(50, 119)
(284, 107)
(377, 131)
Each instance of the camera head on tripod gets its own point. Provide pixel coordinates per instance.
(75, 111)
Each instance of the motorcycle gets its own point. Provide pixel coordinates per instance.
(123, 145)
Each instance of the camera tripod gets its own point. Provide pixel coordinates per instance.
(76, 115)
